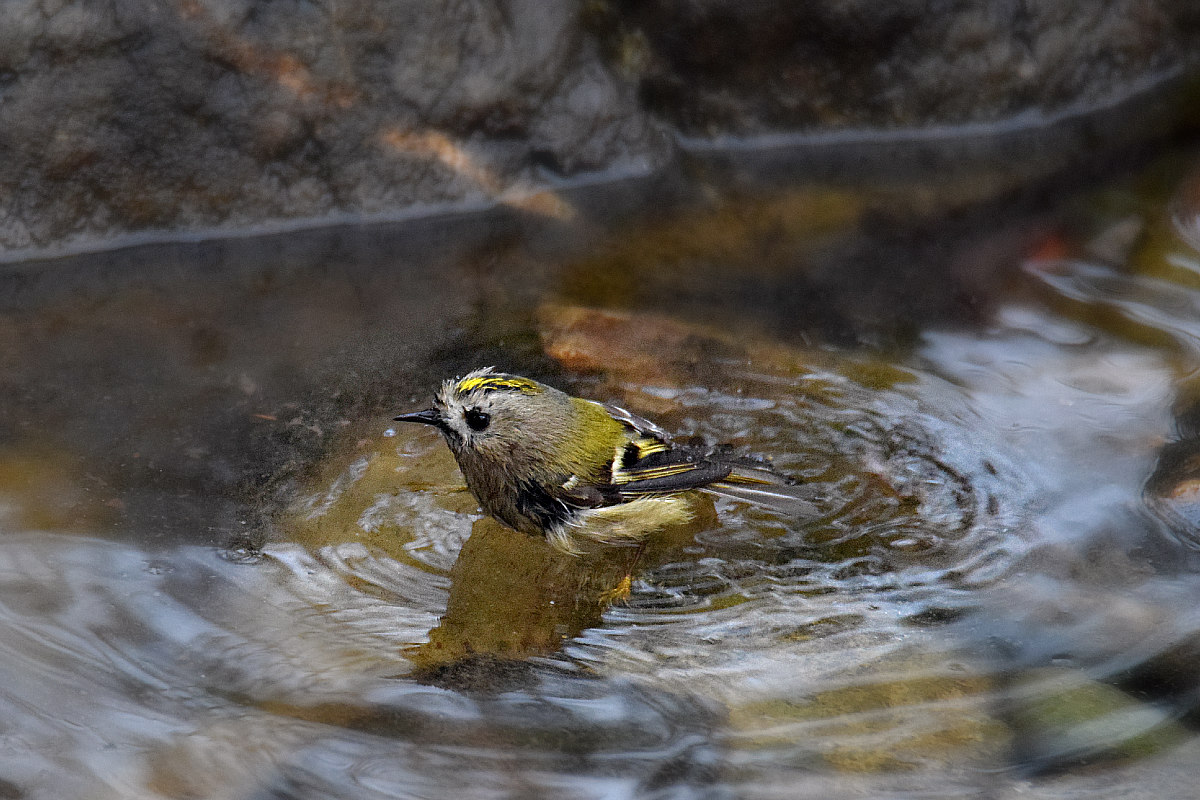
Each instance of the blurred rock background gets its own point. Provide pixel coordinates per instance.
(122, 120)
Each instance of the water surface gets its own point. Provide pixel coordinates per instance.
(222, 575)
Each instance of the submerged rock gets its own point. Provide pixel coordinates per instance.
(1061, 718)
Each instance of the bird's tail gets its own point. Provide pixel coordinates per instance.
(763, 486)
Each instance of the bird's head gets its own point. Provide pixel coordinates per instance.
(496, 415)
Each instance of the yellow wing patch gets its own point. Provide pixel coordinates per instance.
(502, 383)
(627, 476)
(624, 458)
(647, 446)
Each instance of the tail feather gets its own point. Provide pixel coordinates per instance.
(765, 487)
(784, 499)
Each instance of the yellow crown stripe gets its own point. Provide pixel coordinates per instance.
(498, 383)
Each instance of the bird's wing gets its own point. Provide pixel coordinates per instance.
(647, 465)
(678, 470)
(668, 476)
(747, 480)
(650, 464)
(644, 467)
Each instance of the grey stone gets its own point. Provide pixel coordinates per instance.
(131, 116)
(135, 118)
(722, 67)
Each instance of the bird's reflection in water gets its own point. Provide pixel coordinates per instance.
(513, 596)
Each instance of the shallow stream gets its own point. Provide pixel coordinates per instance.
(224, 575)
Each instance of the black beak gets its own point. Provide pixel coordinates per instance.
(430, 416)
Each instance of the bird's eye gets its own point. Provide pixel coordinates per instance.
(476, 420)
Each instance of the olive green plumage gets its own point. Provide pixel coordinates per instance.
(576, 471)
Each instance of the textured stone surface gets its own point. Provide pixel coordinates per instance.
(135, 115)
(122, 119)
(720, 66)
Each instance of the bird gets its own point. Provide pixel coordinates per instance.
(581, 473)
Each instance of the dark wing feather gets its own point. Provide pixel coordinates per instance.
(662, 469)
(677, 476)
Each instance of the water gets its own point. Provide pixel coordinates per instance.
(222, 575)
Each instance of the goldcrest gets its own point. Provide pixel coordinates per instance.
(582, 473)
